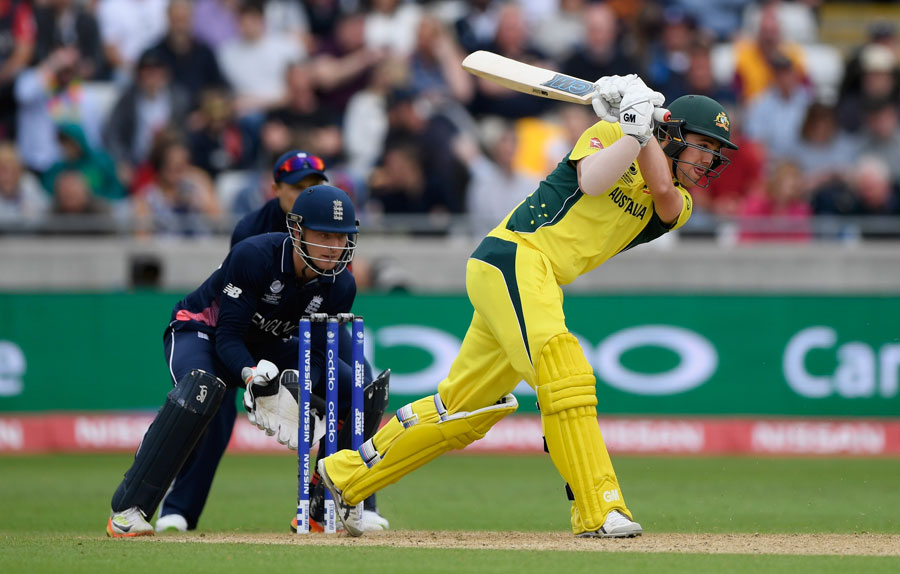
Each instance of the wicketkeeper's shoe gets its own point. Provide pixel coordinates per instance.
(171, 523)
(128, 524)
(350, 516)
(617, 525)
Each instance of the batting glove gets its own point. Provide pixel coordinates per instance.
(608, 92)
(636, 113)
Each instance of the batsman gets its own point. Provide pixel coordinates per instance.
(621, 185)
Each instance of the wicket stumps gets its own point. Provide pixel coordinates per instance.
(332, 327)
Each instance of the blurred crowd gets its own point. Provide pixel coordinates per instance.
(163, 117)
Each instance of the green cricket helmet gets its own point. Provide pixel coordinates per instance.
(699, 115)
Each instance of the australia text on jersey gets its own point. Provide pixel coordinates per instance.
(635, 209)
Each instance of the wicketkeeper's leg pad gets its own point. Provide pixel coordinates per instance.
(421, 431)
(568, 400)
(170, 439)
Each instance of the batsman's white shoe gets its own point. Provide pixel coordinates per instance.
(617, 525)
(350, 516)
(128, 524)
(374, 522)
(171, 523)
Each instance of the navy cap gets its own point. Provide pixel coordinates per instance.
(294, 165)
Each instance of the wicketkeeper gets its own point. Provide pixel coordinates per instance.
(237, 330)
(617, 188)
(293, 172)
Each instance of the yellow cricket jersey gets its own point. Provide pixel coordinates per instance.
(578, 232)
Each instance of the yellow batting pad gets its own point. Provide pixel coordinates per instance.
(568, 400)
(404, 445)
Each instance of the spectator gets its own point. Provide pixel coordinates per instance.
(93, 164)
(881, 33)
(878, 80)
(699, 78)
(398, 185)
(302, 121)
(562, 30)
(825, 153)
(180, 199)
(435, 70)
(149, 104)
(495, 186)
(17, 34)
(255, 62)
(128, 27)
(775, 117)
(880, 137)
(670, 56)
(410, 126)
(782, 212)
(602, 52)
(870, 192)
(65, 23)
(391, 26)
(513, 40)
(365, 124)
(287, 18)
(343, 66)
(322, 17)
(216, 22)
(76, 210)
(22, 201)
(477, 27)
(757, 59)
(722, 17)
(218, 142)
(46, 95)
(192, 64)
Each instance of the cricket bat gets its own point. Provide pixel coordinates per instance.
(536, 81)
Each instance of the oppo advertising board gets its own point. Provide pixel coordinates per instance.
(653, 355)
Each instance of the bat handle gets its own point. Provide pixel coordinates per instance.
(661, 114)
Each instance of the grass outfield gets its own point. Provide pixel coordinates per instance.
(53, 511)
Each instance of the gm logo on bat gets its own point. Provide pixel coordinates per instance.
(569, 84)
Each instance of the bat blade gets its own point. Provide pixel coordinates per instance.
(528, 79)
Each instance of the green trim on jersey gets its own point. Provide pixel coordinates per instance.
(550, 202)
(501, 254)
(654, 228)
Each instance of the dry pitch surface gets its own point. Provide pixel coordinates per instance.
(798, 544)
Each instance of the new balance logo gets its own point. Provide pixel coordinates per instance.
(611, 495)
(232, 291)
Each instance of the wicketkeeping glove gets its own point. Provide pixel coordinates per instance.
(273, 408)
(636, 112)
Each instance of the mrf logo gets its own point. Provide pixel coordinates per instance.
(611, 495)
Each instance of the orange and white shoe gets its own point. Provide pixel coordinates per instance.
(128, 524)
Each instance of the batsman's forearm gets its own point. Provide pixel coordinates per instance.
(600, 170)
(655, 168)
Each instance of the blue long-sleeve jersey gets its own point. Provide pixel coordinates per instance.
(255, 298)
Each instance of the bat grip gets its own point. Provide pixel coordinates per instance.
(661, 114)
